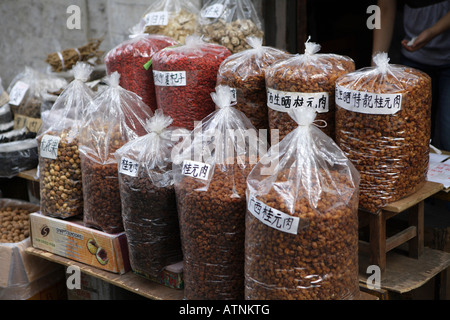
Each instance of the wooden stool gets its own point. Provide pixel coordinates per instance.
(378, 244)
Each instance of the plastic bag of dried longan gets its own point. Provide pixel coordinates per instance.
(383, 125)
(211, 168)
(59, 160)
(114, 117)
(302, 220)
(308, 80)
(149, 208)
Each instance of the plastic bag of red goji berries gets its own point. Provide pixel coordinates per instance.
(210, 182)
(149, 209)
(174, 18)
(302, 219)
(229, 23)
(59, 160)
(184, 78)
(129, 58)
(114, 117)
(383, 125)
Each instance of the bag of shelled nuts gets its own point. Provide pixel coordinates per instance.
(244, 73)
(383, 127)
(302, 220)
(210, 181)
(149, 209)
(59, 160)
(229, 23)
(114, 117)
(305, 80)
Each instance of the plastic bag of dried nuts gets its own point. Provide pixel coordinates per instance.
(129, 58)
(210, 181)
(114, 117)
(302, 220)
(229, 23)
(176, 19)
(59, 160)
(305, 80)
(383, 126)
(149, 209)
(244, 73)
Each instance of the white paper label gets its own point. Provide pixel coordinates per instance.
(128, 167)
(272, 217)
(49, 147)
(368, 102)
(18, 92)
(283, 101)
(160, 18)
(233, 95)
(214, 11)
(169, 78)
(195, 169)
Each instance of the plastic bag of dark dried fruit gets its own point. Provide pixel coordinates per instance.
(129, 58)
(229, 23)
(149, 209)
(210, 181)
(306, 79)
(184, 78)
(173, 18)
(59, 159)
(114, 117)
(244, 72)
(383, 126)
(302, 219)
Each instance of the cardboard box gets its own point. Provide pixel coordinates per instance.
(171, 276)
(72, 240)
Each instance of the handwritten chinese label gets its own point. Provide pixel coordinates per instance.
(18, 93)
(169, 78)
(272, 217)
(128, 167)
(49, 146)
(284, 101)
(368, 102)
(160, 18)
(214, 11)
(196, 169)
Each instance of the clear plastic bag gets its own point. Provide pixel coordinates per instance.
(129, 58)
(306, 79)
(176, 19)
(244, 72)
(210, 182)
(229, 23)
(59, 159)
(114, 117)
(383, 125)
(149, 209)
(302, 219)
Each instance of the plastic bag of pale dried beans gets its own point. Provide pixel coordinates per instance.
(383, 127)
(244, 72)
(210, 181)
(308, 80)
(113, 118)
(59, 159)
(302, 220)
(149, 208)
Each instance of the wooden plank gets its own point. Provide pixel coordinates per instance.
(416, 219)
(378, 240)
(400, 238)
(128, 281)
(29, 175)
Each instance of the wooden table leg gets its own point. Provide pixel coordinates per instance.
(377, 226)
(416, 219)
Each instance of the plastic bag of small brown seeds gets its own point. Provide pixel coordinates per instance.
(59, 159)
(149, 209)
(383, 126)
(244, 72)
(114, 117)
(210, 182)
(229, 23)
(302, 219)
(306, 79)
(176, 19)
